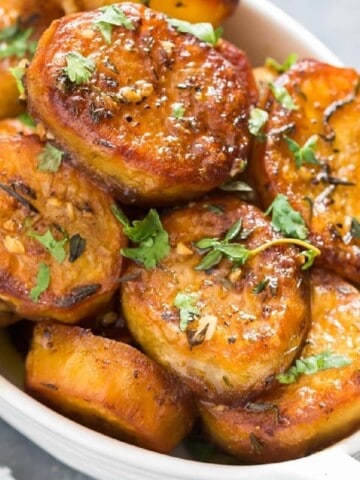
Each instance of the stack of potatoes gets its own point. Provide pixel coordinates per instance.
(163, 289)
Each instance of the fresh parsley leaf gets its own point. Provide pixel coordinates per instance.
(178, 110)
(355, 228)
(53, 246)
(306, 153)
(79, 69)
(186, 303)
(42, 282)
(149, 233)
(50, 159)
(110, 16)
(281, 67)
(18, 73)
(15, 42)
(282, 96)
(257, 121)
(312, 365)
(25, 119)
(203, 31)
(287, 220)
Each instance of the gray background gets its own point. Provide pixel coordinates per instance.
(337, 24)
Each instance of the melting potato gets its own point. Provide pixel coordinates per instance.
(236, 339)
(316, 410)
(59, 242)
(321, 178)
(166, 113)
(109, 386)
(16, 17)
(213, 11)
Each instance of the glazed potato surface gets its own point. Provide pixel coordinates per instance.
(326, 194)
(165, 112)
(109, 386)
(317, 410)
(213, 11)
(66, 204)
(248, 337)
(33, 14)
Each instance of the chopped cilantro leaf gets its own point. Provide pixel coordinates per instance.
(281, 67)
(79, 69)
(18, 73)
(149, 233)
(50, 159)
(111, 16)
(42, 282)
(25, 119)
(287, 220)
(282, 96)
(178, 110)
(203, 31)
(186, 303)
(53, 246)
(312, 365)
(15, 42)
(306, 153)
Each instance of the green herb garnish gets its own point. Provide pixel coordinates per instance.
(257, 121)
(25, 119)
(355, 228)
(178, 110)
(261, 286)
(18, 73)
(42, 282)
(149, 233)
(111, 16)
(287, 220)
(15, 42)
(53, 246)
(236, 186)
(282, 96)
(79, 69)
(50, 159)
(281, 67)
(312, 365)
(203, 31)
(186, 303)
(306, 153)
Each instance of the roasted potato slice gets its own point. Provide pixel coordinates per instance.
(109, 386)
(317, 410)
(321, 178)
(165, 112)
(213, 11)
(234, 340)
(16, 17)
(59, 242)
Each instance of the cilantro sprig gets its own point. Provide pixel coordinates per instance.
(111, 16)
(311, 365)
(79, 69)
(281, 67)
(203, 31)
(283, 96)
(186, 303)
(149, 233)
(42, 282)
(304, 154)
(15, 41)
(49, 160)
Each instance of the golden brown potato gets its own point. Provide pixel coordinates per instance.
(13, 126)
(322, 179)
(236, 339)
(33, 14)
(213, 11)
(165, 112)
(59, 242)
(317, 410)
(109, 386)
(263, 76)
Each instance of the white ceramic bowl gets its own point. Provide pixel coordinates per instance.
(262, 30)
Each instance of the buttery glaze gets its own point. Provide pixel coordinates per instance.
(139, 150)
(109, 386)
(250, 337)
(294, 420)
(67, 204)
(327, 195)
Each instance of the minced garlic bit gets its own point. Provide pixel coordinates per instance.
(137, 92)
(167, 46)
(13, 245)
(70, 210)
(54, 202)
(182, 249)
(235, 275)
(211, 322)
(9, 225)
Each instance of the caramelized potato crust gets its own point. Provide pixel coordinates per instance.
(297, 419)
(248, 337)
(213, 11)
(109, 386)
(328, 105)
(163, 117)
(66, 204)
(33, 14)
